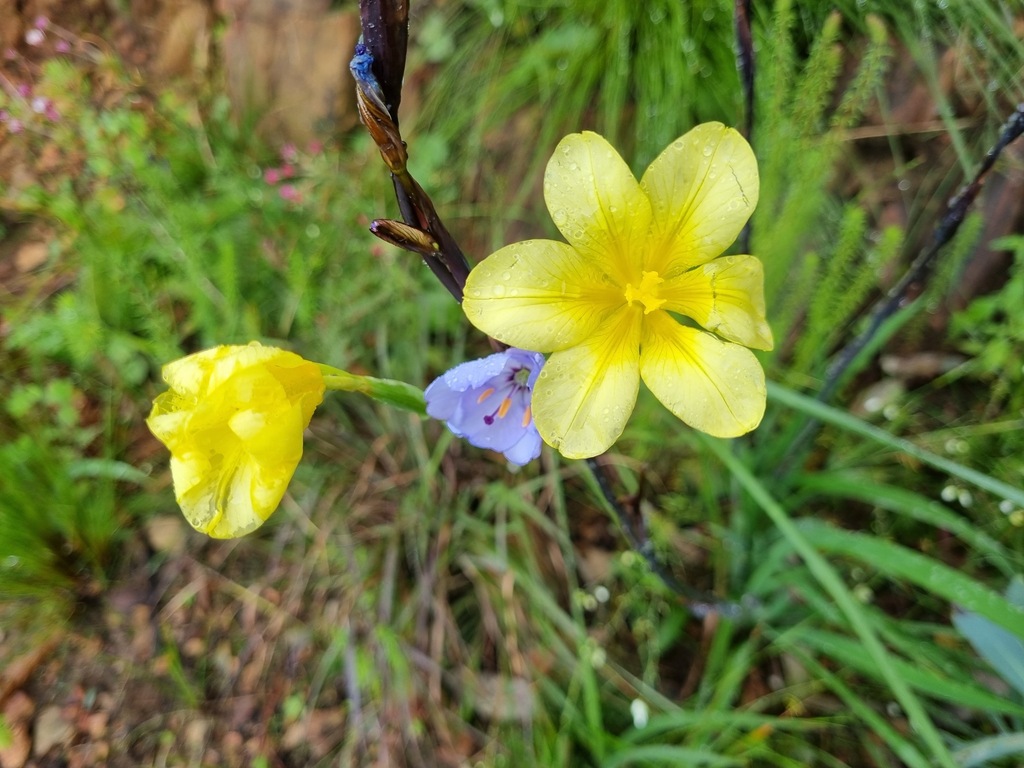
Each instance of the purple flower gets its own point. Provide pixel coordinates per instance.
(62, 46)
(487, 402)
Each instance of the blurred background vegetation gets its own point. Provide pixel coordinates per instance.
(176, 175)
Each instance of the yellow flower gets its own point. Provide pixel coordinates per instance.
(605, 304)
(233, 420)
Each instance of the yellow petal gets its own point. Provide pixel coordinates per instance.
(597, 204)
(539, 295)
(702, 189)
(712, 385)
(233, 421)
(725, 296)
(584, 395)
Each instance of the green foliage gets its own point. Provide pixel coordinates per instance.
(467, 602)
(990, 330)
(801, 145)
(58, 530)
(648, 75)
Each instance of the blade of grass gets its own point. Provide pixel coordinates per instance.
(666, 754)
(851, 609)
(849, 653)
(853, 485)
(899, 562)
(903, 749)
(984, 751)
(843, 420)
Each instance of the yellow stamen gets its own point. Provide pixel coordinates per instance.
(527, 416)
(503, 408)
(485, 394)
(646, 293)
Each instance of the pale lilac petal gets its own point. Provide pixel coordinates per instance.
(487, 402)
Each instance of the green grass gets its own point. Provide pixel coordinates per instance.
(442, 600)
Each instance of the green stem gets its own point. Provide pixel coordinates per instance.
(389, 391)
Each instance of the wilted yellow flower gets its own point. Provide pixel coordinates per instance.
(233, 420)
(605, 305)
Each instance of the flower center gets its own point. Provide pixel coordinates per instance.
(515, 385)
(646, 293)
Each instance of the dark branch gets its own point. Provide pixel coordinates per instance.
(699, 603)
(745, 65)
(378, 67)
(386, 36)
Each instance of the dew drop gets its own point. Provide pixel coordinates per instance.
(498, 290)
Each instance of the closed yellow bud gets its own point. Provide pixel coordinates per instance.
(233, 421)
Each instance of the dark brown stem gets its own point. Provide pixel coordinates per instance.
(378, 67)
(745, 65)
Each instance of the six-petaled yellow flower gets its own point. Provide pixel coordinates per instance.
(233, 420)
(619, 302)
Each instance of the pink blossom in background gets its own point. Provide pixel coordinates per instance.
(290, 193)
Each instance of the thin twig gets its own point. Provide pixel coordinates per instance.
(745, 65)
(700, 603)
(378, 67)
